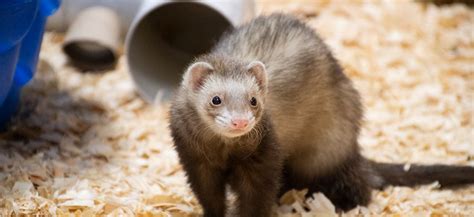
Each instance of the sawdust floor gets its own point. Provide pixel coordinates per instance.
(87, 144)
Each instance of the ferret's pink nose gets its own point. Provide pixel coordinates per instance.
(239, 123)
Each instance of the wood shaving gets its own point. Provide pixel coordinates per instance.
(86, 144)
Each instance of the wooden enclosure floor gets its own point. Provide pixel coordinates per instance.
(87, 144)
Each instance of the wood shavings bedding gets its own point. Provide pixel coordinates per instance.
(86, 144)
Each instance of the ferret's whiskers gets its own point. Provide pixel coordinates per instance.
(254, 134)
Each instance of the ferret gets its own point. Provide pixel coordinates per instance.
(270, 109)
(224, 135)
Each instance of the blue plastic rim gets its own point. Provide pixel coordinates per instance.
(21, 32)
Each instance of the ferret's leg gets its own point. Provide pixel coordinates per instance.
(288, 182)
(347, 185)
(208, 184)
(256, 183)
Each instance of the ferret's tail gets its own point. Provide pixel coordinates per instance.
(401, 175)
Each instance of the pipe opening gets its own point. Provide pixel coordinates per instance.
(167, 39)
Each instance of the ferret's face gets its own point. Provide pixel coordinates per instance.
(231, 102)
(230, 107)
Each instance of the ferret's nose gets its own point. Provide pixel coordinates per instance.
(240, 123)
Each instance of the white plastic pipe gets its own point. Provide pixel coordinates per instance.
(166, 35)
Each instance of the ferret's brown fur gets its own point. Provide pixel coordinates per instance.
(253, 173)
(316, 115)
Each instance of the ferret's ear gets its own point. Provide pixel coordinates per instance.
(196, 73)
(257, 69)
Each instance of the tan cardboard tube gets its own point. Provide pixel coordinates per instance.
(93, 39)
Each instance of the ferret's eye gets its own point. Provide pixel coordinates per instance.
(216, 100)
(253, 101)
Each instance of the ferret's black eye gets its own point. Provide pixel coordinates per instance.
(216, 100)
(253, 101)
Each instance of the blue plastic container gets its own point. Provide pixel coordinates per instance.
(21, 31)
